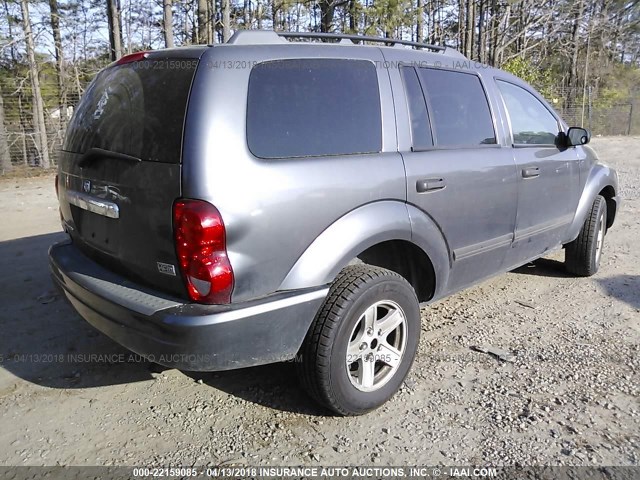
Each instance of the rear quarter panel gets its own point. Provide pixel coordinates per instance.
(274, 209)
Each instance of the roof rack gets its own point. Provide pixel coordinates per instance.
(252, 37)
(361, 38)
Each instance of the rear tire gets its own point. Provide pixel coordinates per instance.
(362, 342)
(582, 256)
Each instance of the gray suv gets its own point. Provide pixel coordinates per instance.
(282, 198)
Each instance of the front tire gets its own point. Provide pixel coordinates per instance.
(582, 256)
(362, 342)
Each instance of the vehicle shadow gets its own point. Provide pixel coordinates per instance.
(44, 341)
(274, 386)
(623, 287)
(544, 267)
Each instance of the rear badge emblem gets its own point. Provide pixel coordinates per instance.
(166, 268)
(86, 186)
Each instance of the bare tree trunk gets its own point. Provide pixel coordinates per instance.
(226, 20)
(23, 130)
(440, 24)
(212, 21)
(12, 48)
(76, 75)
(127, 28)
(57, 41)
(461, 25)
(327, 10)
(194, 24)
(470, 26)
(167, 21)
(115, 28)
(500, 39)
(259, 13)
(586, 69)
(493, 33)
(38, 105)
(275, 12)
(353, 16)
(433, 32)
(245, 14)
(480, 38)
(603, 56)
(203, 20)
(575, 37)
(5, 155)
(419, 21)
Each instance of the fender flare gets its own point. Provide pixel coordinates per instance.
(360, 229)
(426, 234)
(600, 176)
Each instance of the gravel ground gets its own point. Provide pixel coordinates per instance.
(566, 393)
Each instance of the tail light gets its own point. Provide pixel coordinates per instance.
(200, 240)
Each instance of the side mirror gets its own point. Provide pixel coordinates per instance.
(578, 136)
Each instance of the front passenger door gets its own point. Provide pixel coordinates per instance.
(548, 178)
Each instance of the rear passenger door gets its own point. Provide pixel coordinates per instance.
(457, 171)
(548, 177)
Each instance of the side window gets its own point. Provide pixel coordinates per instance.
(313, 107)
(458, 108)
(420, 127)
(531, 122)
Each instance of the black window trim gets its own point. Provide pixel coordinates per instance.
(459, 147)
(298, 157)
(403, 67)
(463, 146)
(508, 115)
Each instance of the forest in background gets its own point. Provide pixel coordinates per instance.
(583, 56)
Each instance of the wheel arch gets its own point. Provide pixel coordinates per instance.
(387, 234)
(603, 181)
(609, 195)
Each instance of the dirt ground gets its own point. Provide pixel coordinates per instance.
(570, 395)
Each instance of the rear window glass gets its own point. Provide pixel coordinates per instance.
(137, 109)
(313, 107)
(458, 107)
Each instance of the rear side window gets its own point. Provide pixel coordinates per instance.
(458, 108)
(313, 107)
(420, 128)
(531, 122)
(137, 109)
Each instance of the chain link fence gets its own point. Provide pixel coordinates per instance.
(20, 150)
(618, 119)
(19, 145)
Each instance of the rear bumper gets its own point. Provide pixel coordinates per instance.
(182, 335)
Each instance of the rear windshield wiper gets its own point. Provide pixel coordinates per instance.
(98, 153)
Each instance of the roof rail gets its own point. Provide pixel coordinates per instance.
(248, 37)
(361, 38)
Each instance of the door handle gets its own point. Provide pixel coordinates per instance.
(530, 172)
(430, 184)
